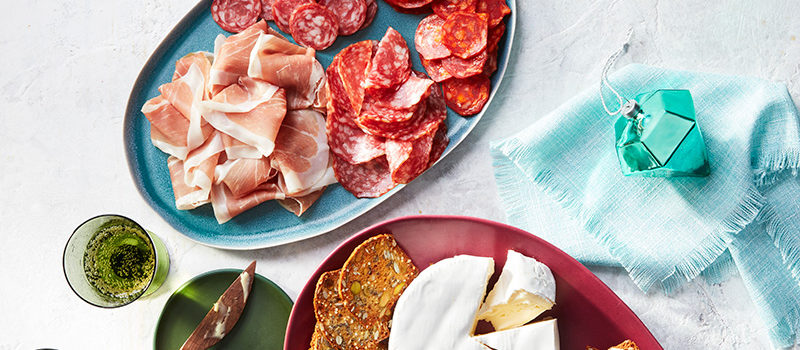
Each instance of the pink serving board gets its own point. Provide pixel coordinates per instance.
(588, 312)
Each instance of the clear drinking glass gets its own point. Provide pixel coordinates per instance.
(111, 261)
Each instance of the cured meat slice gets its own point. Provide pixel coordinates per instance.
(465, 67)
(351, 143)
(282, 11)
(372, 10)
(235, 149)
(169, 129)
(408, 159)
(198, 168)
(242, 176)
(266, 10)
(390, 66)
(314, 26)
(445, 8)
(467, 96)
(235, 15)
(350, 14)
(352, 65)
(186, 197)
(299, 205)
(495, 35)
(232, 56)
(201, 59)
(226, 206)
(440, 142)
(435, 70)
(491, 64)
(365, 180)
(289, 66)
(301, 154)
(409, 94)
(412, 5)
(465, 33)
(186, 94)
(250, 111)
(495, 9)
(428, 38)
(425, 120)
(339, 105)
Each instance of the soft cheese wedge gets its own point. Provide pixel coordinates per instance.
(438, 309)
(535, 336)
(525, 289)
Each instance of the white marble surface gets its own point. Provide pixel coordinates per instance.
(68, 67)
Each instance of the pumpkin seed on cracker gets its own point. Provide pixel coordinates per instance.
(337, 325)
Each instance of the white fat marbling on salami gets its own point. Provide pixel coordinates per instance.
(314, 26)
(235, 15)
(349, 13)
(390, 66)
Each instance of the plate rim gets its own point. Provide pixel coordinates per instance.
(204, 275)
(362, 235)
(130, 147)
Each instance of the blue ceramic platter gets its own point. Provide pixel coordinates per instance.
(267, 224)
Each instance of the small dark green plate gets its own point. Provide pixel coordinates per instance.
(261, 326)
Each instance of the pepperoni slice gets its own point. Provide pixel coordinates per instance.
(409, 4)
(465, 33)
(467, 96)
(235, 15)
(440, 142)
(282, 11)
(372, 9)
(352, 144)
(423, 10)
(445, 8)
(428, 38)
(366, 180)
(496, 9)
(266, 10)
(435, 70)
(465, 68)
(350, 14)
(408, 159)
(491, 64)
(353, 63)
(495, 36)
(314, 26)
(390, 66)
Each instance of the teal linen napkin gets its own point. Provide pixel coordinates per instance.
(560, 179)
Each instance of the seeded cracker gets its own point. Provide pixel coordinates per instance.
(373, 278)
(336, 324)
(318, 341)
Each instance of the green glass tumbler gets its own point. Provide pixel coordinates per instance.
(111, 261)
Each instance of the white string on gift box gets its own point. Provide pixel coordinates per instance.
(626, 107)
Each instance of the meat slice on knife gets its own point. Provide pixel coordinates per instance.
(301, 154)
(232, 56)
(251, 111)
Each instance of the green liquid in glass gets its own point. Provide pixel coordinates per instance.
(119, 261)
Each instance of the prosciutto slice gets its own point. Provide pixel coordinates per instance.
(186, 197)
(236, 149)
(232, 56)
(302, 153)
(168, 127)
(298, 205)
(185, 95)
(202, 59)
(287, 65)
(227, 206)
(200, 163)
(251, 111)
(242, 176)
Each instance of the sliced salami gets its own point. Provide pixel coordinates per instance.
(339, 105)
(408, 159)
(314, 26)
(496, 9)
(366, 180)
(428, 38)
(372, 10)
(351, 143)
(353, 63)
(491, 64)
(266, 10)
(282, 11)
(495, 35)
(390, 123)
(435, 70)
(350, 14)
(407, 95)
(235, 15)
(445, 8)
(467, 96)
(440, 142)
(465, 33)
(390, 66)
(465, 68)
(411, 5)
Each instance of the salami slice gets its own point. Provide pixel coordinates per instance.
(428, 38)
(390, 123)
(372, 10)
(445, 8)
(282, 11)
(235, 15)
(314, 26)
(351, 143)
(409, 4)
(339, 104)
(440, 142)
(366, 180)
(390, 66)
(266, 10)
(408, 159)
(495, 35)
(496, 9)
(465, 33)
(465, 68)
(353, 63)
(350, 14)
(423, 10)
(435, 70)
(467, 96)
(407, 95)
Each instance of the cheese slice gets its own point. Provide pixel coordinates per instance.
(525, 289)
(438, 308)
(535, 336)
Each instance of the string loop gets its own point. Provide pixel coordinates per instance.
(604, 76)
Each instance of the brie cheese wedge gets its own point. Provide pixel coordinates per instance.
(525, 289)
(535, 336)
(438, 308)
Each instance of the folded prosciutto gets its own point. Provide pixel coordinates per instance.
(232, 57)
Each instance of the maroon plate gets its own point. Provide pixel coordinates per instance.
(588, 312)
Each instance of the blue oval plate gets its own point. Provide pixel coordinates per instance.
(267, 224)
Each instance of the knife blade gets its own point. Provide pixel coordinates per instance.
(224, 314)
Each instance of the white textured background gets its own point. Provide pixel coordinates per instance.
(67, 68)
